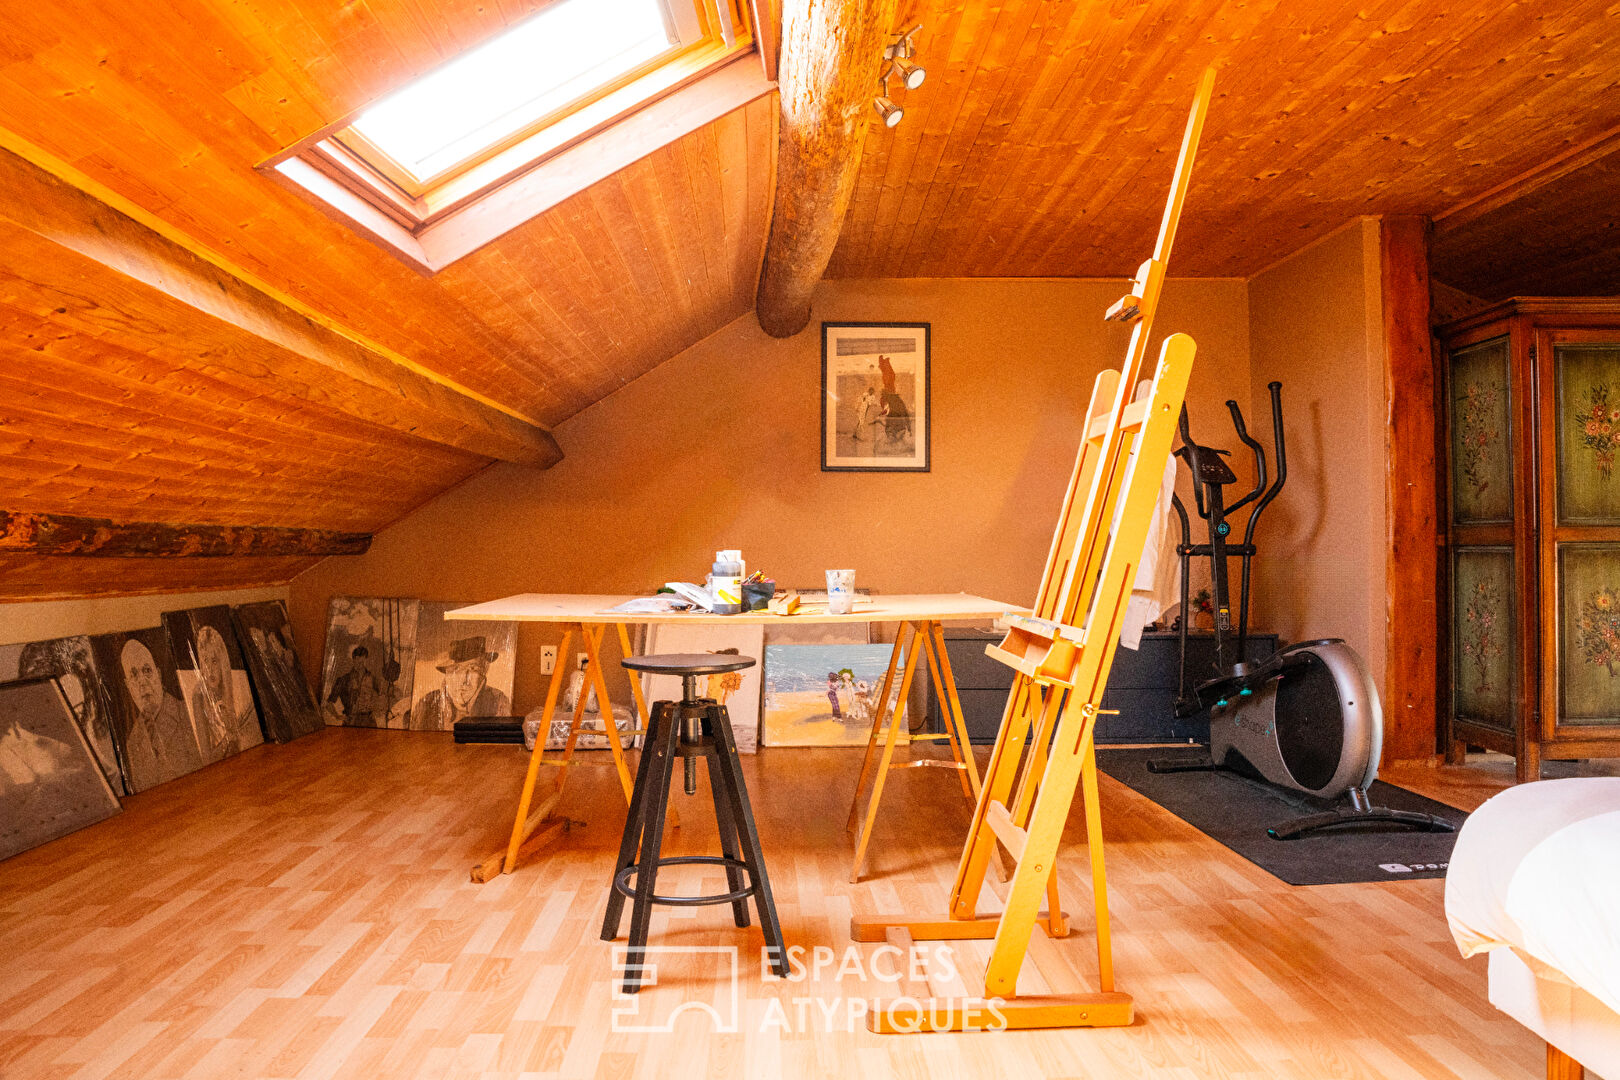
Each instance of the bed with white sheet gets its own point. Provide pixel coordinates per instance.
(1535, 882)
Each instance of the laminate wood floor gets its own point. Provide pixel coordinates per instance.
(305, 911)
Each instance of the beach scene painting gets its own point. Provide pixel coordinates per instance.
(824, 695)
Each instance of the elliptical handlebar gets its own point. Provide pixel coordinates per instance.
(1259, 456)
(1278, 443)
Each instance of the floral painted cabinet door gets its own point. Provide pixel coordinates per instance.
(1580, 528)
(1483, 572)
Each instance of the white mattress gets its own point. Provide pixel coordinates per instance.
(1537, 869)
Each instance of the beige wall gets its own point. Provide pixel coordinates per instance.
(1315, 324)
(65, 618)
(719, 447)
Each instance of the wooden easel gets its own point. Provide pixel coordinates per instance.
(1063, 653)
(930, 636)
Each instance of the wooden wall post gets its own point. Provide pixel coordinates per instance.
(832, 51)
(1411, 505)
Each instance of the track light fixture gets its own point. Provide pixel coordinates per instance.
(897, 64)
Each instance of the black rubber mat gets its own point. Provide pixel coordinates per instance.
(1237, 811)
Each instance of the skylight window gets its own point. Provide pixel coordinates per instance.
(564, 54)
(559, 101)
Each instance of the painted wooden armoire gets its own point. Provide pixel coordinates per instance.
(1530, 498)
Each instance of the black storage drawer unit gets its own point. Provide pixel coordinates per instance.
(1141, 685)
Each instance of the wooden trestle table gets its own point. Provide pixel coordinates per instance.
(919, 617)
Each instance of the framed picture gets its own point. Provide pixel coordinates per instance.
(824, 695)
(214, 681)
(50, 781)
(738, 691)
(285, 701)
(874, 397)
(370, 661)
(69, 662)
(149, 717)
(463, 669)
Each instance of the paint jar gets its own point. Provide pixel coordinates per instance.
(840, 592)
(725, 582)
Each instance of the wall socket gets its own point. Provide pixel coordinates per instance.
(548, 659)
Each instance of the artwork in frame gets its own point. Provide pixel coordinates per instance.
(1589, 634)
(69, 661)
(286, 703)
(213, 681)
(1481, 434)
(1587, 377)
(370, 661)
(875, 397)
(824, 695)
(462, 668)
(50, 782)
(149, 716)
(738, 691)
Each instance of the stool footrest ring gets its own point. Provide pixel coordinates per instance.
(621, 882)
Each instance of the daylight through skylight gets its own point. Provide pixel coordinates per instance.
(567, 51)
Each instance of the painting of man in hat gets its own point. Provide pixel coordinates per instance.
(463, 669)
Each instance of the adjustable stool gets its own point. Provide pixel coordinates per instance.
(690, 728)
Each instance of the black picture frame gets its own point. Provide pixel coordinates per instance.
(863, 423)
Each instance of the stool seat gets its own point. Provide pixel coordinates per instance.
(701, 663)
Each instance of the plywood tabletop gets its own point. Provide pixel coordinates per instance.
(592, 608)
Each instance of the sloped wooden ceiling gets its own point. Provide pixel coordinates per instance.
(1041, 141)
(1039, 145)
(170, 106)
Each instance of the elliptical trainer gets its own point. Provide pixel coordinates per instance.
(1306, 718)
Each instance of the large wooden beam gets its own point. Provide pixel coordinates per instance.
(832, 51)
(66, 534)
(72, 258)
(1411, 508)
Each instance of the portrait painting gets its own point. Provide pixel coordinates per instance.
(286, 704)
(875, 414)
(738, 691)
(69, 662)
(824, 695)
(50, 781)
(369, 664)
(463, 669)
(149, 716)
(213, 681)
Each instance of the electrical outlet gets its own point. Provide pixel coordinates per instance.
(581, 659)
(548, 659)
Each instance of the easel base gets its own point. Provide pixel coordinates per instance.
(904, 1017)
(877, 927)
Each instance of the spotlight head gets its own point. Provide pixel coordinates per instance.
(910, 74)
(887, 109)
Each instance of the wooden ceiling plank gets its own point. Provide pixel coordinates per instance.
(831, 50)
(159, 283)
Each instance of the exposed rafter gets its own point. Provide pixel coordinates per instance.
(68, 256)
(65, 534)
(832, 51)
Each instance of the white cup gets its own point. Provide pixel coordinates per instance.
(840, 592)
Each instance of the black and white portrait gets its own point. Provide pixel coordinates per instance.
(68, 660)
(285, 702)
(463, 668)
(213, 681)
(50, 783)
(149, 719)
(370, 661)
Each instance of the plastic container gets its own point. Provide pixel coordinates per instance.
(725, 580)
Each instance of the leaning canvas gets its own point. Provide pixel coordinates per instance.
(68, 660)
(213, 681)
(149, 718)
(738, 691)
(463, 668)
(285, 702)
(370, 661)
(50, 783)
(824, 695)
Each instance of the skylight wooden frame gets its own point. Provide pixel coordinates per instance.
(326, 166)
